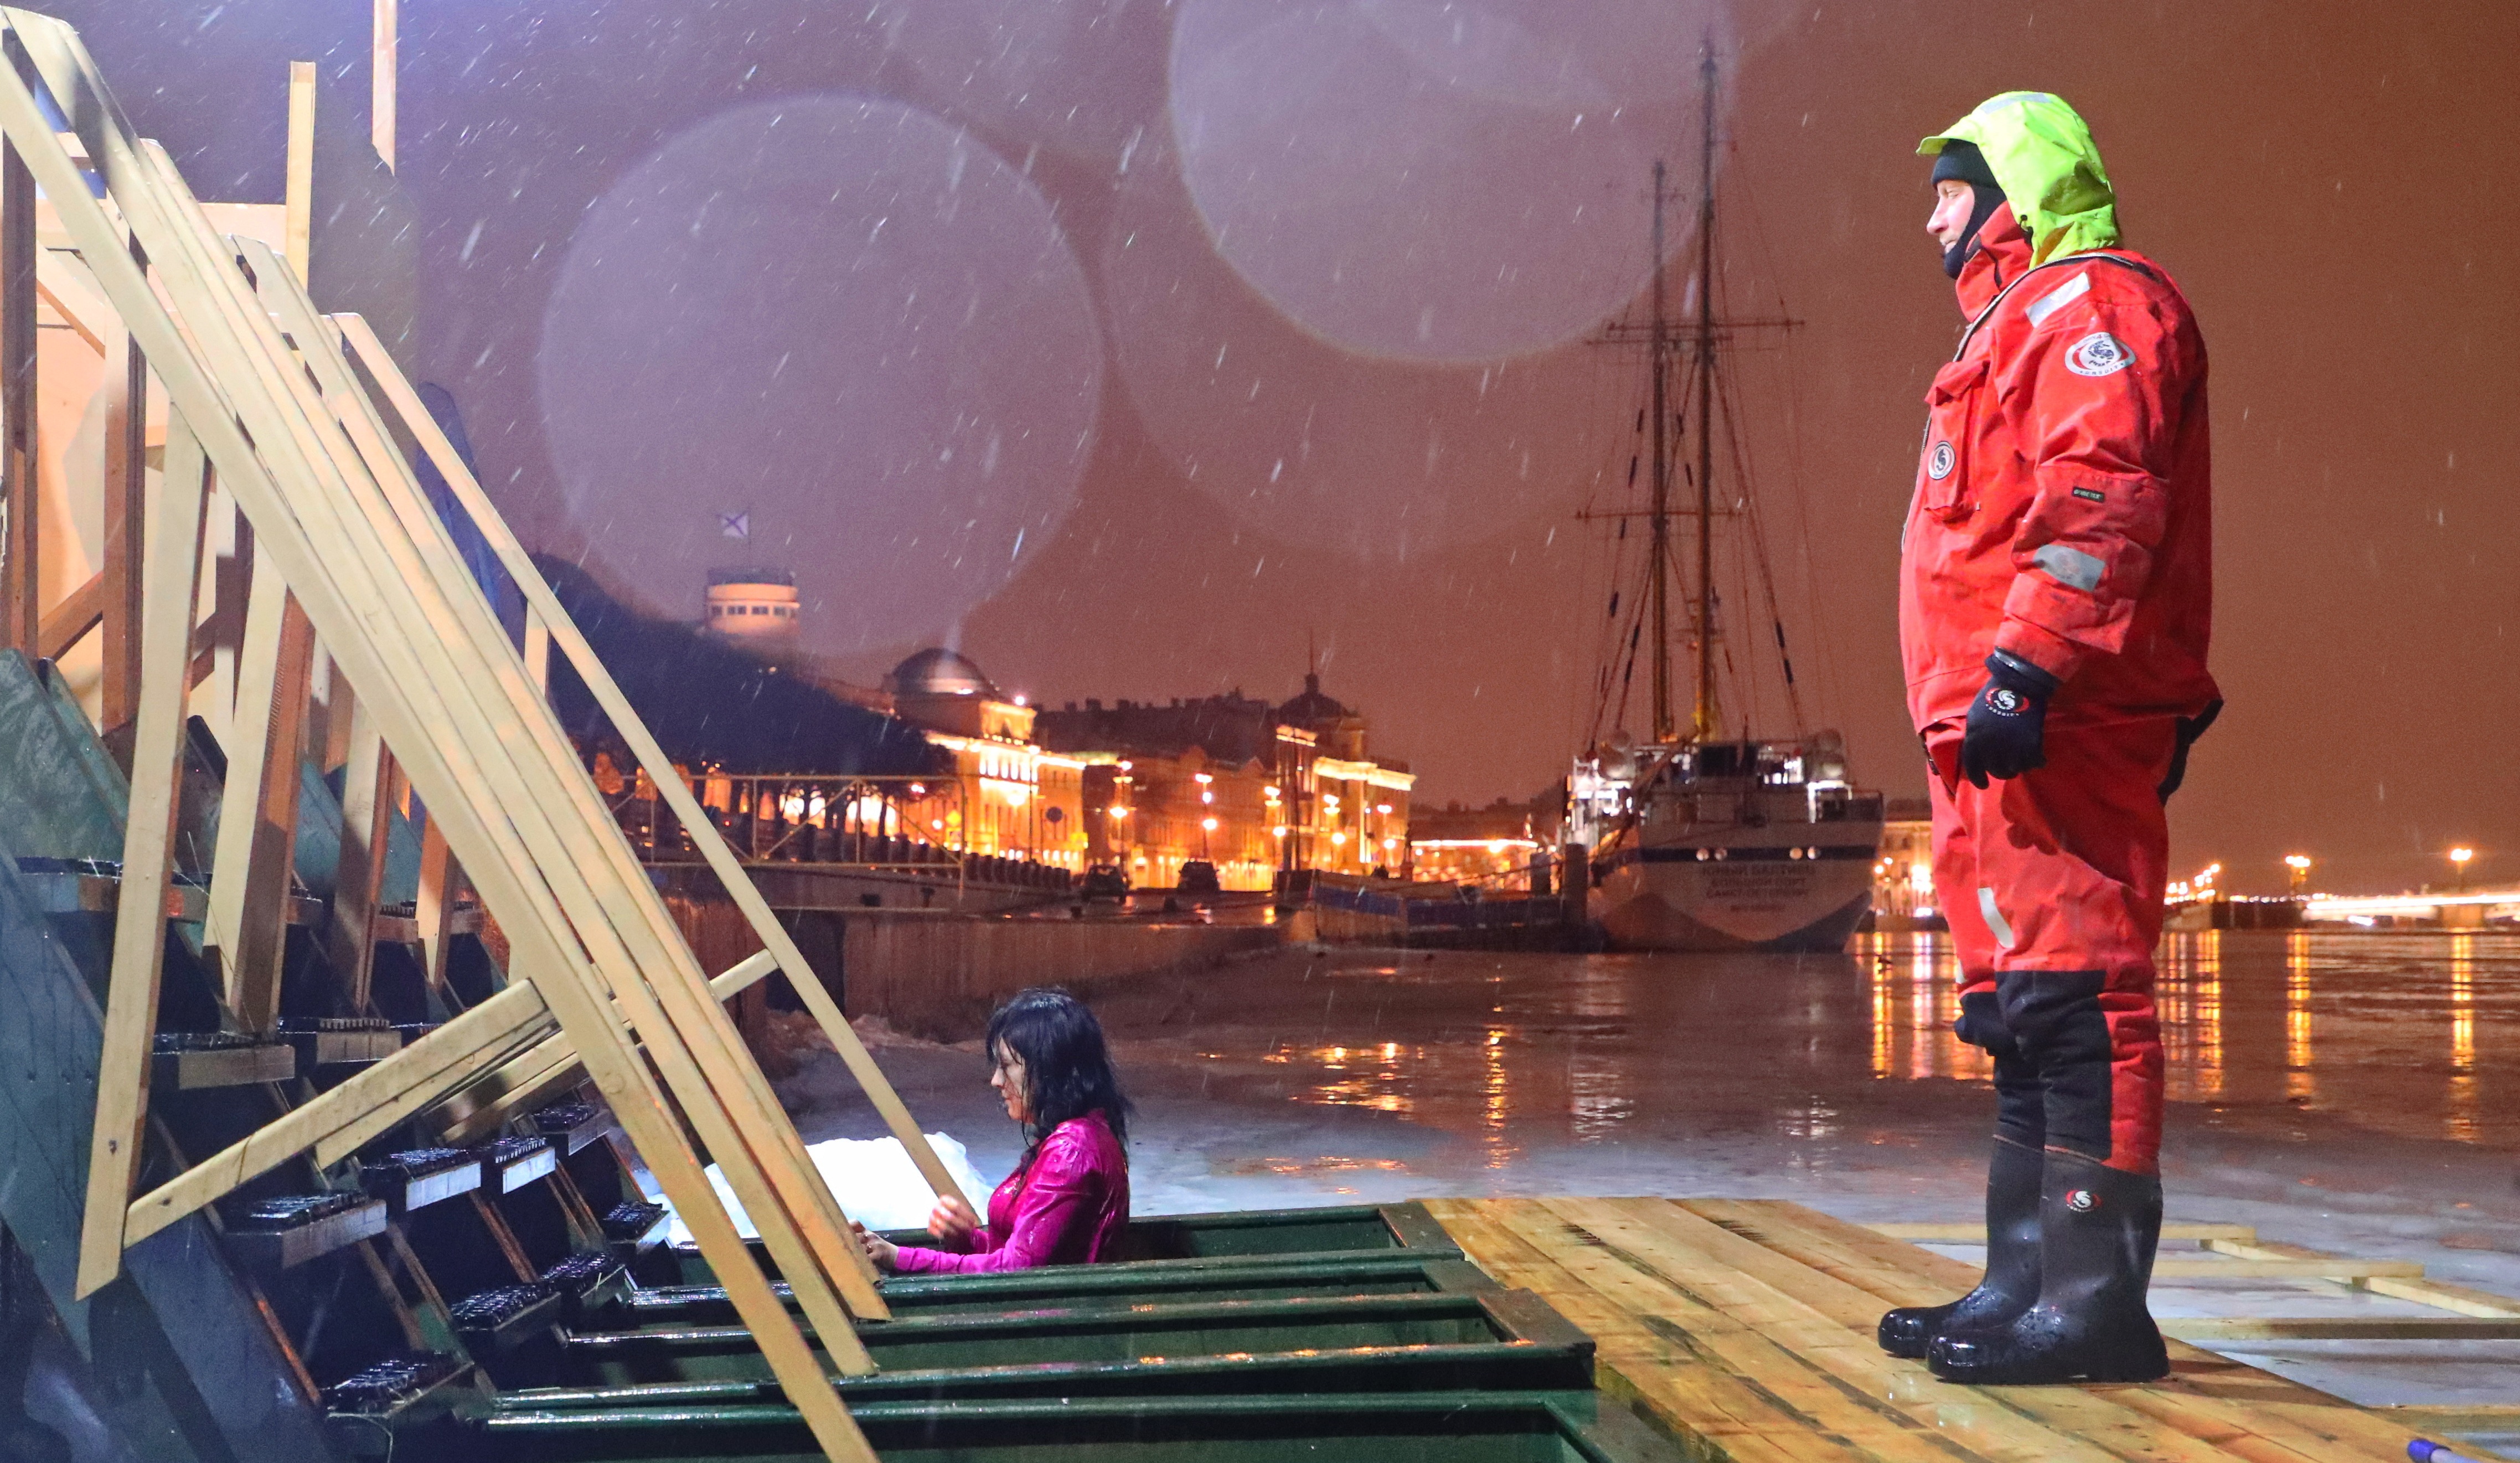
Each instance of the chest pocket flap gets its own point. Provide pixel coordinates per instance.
(1954, 410)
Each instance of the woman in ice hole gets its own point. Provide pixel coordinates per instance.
(1067, 1202)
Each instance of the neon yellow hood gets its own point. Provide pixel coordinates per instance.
(2043, 156)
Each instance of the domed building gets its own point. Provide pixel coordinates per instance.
(939, 671)
(1359, 807)
(1337, 730)
(1014, 798)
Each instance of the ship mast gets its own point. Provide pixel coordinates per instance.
(1659, 581)
(1663, 339)
(1704, 722)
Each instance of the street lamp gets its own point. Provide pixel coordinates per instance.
(2299, 863)
(2458, 859)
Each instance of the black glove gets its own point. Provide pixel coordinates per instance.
(2190, 729)
(2006, 721)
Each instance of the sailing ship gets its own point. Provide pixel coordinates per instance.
(1699, 840)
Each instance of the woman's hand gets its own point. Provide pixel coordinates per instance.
(878, 1249)
(952, 1220)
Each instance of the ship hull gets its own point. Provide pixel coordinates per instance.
(1668, 899)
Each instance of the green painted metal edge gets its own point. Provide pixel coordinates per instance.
(1603, 1431)
(1327, 1309)
(1318, 1372)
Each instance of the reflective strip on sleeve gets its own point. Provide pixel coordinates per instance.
(1994, 917)
(2070, 566)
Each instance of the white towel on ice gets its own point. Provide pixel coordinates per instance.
(872, 1179)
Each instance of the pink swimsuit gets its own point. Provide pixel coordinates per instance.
(1069, 1206)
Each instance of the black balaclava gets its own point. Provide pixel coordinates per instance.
(1963, 161)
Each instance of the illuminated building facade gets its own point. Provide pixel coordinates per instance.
(1249, 786)
(1902, 875)
(1491, 847)
(1017, 799)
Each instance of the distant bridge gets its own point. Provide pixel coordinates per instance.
(2486, 902)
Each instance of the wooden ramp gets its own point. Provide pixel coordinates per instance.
(1745, 1328)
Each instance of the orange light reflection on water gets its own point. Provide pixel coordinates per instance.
(1926, 994)
(2462, 1121)
(2299, 1081)
(2410, 1033)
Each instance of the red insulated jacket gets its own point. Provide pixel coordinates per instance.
(2063, 505)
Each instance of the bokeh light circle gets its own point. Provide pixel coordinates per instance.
(1550, 55)
(845, 319)
(1371, 459)
(1084, 78)
(1441, 182)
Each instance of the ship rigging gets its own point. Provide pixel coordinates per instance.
(1698, 842)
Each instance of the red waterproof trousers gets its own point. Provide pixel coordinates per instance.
(2062, 514)
(2053, 884)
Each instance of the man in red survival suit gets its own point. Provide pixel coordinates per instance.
(2055, 592)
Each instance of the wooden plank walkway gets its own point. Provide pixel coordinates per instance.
(1745, 1329)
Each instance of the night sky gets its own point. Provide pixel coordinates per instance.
(1129, 344)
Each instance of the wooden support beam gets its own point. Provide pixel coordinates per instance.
(21, 608)
(434, 909)
(517, 813)
(2233, 1328)
(585, 1231)
(2454, 1298)
(391, 1289)
(2454, 1417)
(435, 1317)
(2326, 1267)
(218, 619)
(126, 467)
(63, 624)
(414, 418)
(537, 650)
(648, 933)
(299, 197)
(459, 1073)
(147, 854)
(249, 868)
(57, 284)
(503, 1237)
(367, 802)
(372, 1102)
(801, 1226)
(543, 1071)
(383, 63)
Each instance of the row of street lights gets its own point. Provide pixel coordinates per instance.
(2298, 867)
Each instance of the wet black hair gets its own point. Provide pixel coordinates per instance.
(1068, 1067)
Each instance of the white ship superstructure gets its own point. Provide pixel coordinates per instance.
(1726, 846)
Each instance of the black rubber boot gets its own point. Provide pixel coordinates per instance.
(2011, 1282)
(2099, 1227)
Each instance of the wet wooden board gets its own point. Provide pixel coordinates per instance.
(1746, 1329)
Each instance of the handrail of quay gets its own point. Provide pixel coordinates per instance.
(868, 822)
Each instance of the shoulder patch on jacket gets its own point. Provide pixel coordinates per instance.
(2098, 353)
(2092, 493)
(2057, 298)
